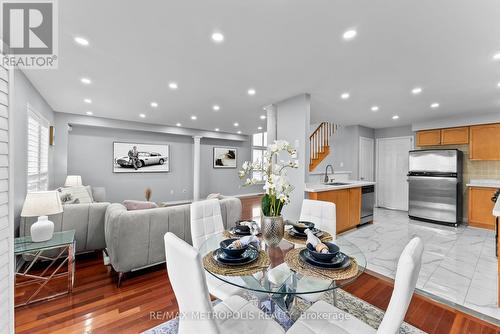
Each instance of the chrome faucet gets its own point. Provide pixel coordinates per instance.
(327, 179)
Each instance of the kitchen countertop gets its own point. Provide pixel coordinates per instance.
(319, 187)
(489, 183)
(496, 209)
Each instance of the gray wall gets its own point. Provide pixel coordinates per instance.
(400, 131)
(224, 181)
(293, 122)
(344, 149)
(90, 152)
(23, 93)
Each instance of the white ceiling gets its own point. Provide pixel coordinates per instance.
(281, 48)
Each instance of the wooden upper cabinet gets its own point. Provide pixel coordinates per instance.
(455, 136)
(429, 138)
(485, 142)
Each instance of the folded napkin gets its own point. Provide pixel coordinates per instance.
(244, 241)
(316, 242)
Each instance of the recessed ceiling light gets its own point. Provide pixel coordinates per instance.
(345, 96)
(154, 104)
(496, 56)
(251, 91)
(90, 113)
(217, 129)
(395, 117)
(349, 34)
(375, 108)
(173, 85)
(216, 107)
(416, 90)
(217, 37)
(81, 41)
(194, 118)
(86, 81)
(142, 115)
(259, 128)
(178, 124)
(239, 132)
(498, 85)
(236, 124)
(89, 101)
(262, 116)
(434, 105)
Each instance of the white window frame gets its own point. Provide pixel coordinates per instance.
(261, 148)
(41, 178)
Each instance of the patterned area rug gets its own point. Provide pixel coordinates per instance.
(360, 309)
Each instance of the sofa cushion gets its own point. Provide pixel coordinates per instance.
(138, 205)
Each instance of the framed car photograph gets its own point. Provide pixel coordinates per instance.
(140, 158)
(225, 157)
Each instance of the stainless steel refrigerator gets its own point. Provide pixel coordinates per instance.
(435, 186)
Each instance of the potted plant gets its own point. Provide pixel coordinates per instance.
(276, 186)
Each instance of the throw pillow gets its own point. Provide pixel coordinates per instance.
(79, 193)
(139, 205)
(215, 196)
(89, 190)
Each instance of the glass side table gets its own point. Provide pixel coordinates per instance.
(53, 255)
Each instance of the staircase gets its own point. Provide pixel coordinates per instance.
(319, 143)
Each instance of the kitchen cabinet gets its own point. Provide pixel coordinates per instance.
(481, 207)
(455, 136)
(484, 142)
(347, 205)
(429, 138)
(448, 136)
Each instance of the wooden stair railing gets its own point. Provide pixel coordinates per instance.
(319, 143)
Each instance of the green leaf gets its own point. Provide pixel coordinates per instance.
(266, 205)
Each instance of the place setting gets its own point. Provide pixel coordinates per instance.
(243, 228)
(237, 257)
(296, 232)
(321, 259)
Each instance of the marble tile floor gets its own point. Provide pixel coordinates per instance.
(458, 265)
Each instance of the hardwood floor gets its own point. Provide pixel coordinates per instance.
(146, 299)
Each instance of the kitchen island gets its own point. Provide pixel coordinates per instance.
(346, 195)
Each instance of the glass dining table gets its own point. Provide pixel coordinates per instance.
(277, 284)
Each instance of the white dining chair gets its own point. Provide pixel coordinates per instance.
(206, 221)
(404, 284)
(321, 213)
(187, 277)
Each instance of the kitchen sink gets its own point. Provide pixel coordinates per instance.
(336, 184)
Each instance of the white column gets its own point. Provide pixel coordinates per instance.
(196, 168)
(272, 123)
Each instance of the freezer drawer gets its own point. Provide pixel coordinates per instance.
(435, 198)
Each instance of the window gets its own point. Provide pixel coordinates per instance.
(259, 147)
(38, 152)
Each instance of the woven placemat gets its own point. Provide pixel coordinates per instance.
(247, 269)
(293, 261)
(325, 237)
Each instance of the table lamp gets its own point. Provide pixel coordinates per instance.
(41, 204)
(73, 180)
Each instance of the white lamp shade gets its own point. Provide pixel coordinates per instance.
(42, 203)
(73, 180)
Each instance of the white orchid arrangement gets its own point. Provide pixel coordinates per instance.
(276, 185)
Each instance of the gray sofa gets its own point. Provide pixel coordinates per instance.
(86, 219)
(134, 239)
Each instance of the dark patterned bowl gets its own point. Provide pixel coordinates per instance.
(235, 252)
(328, 257)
